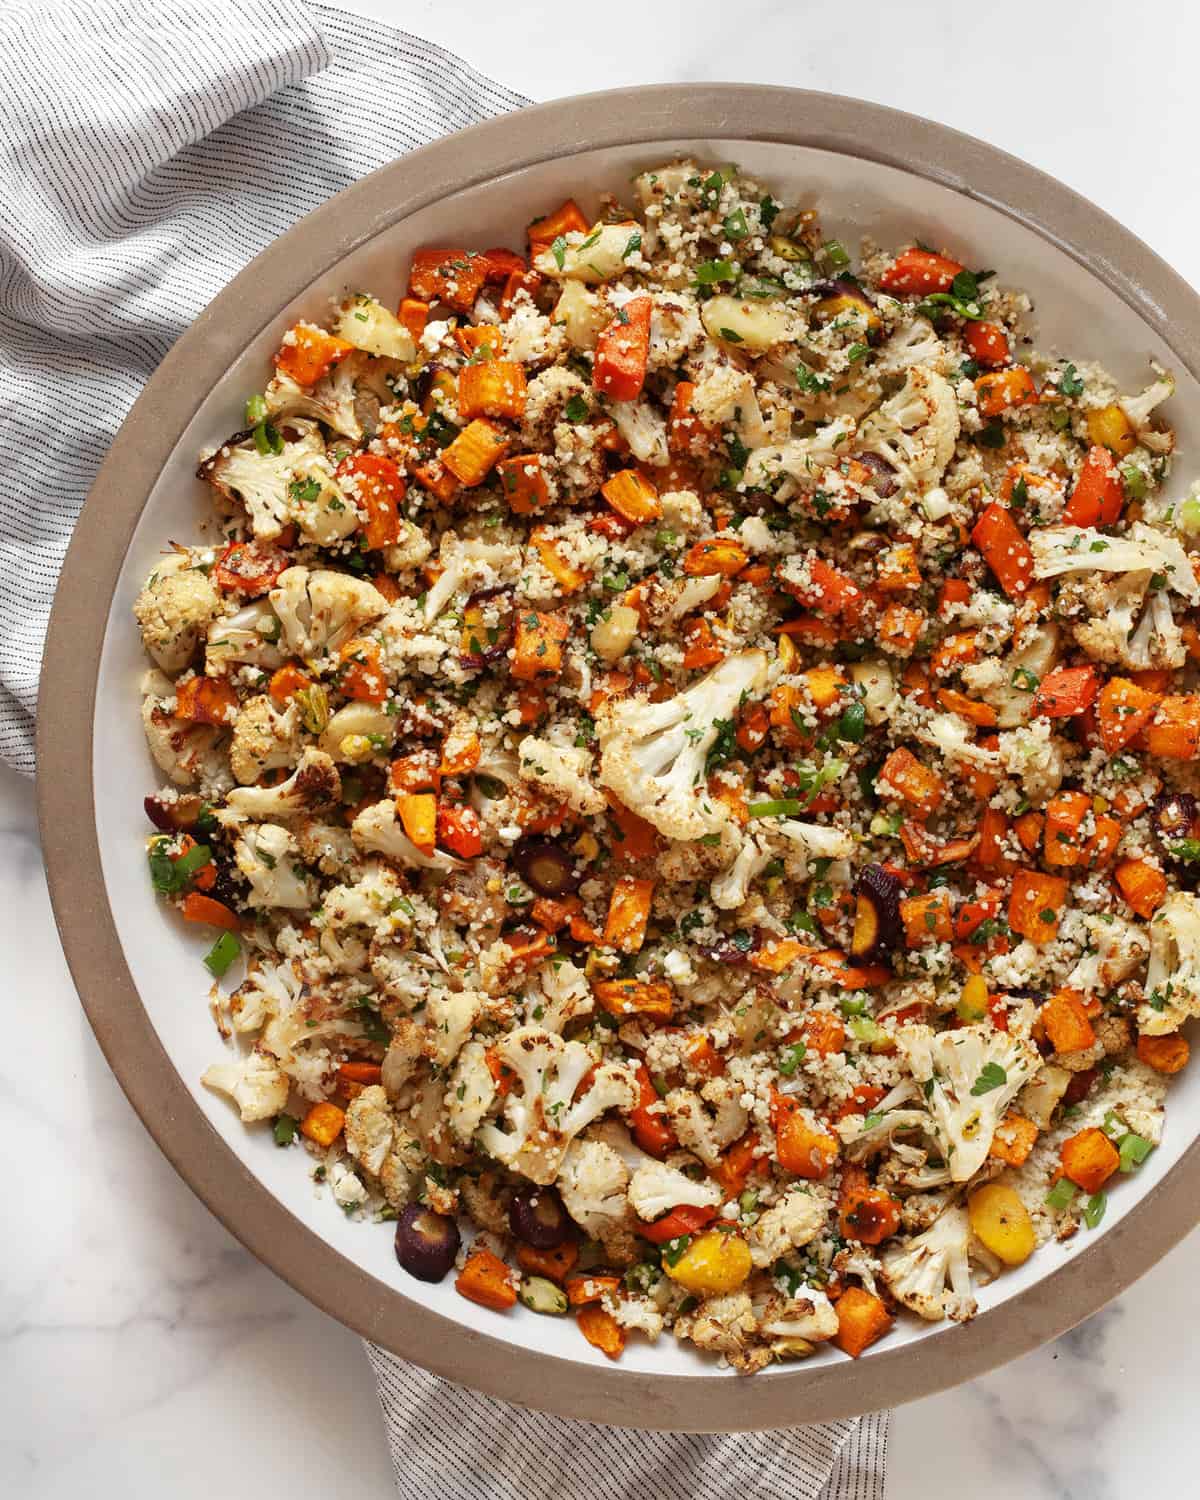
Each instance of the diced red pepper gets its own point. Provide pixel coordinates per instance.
(686, 1219)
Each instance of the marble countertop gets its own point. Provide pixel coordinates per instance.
(142, 1351)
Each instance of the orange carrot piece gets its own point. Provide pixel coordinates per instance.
(622, 349)
(495, 388)
(538, 645)
(1143, 885)
(918, 272)
(486, 1279)
(715, 557)
(1165, 1054)
(801, 1148)
(1004, 548)
(862, 1319)
(982, 715)
(632, 496)
(553, 1264)
(926, 919)
(286, 683)
(1067, 1025)
(628, 913)
(201, 908)
(1065, 812)
(206, 700)
(323, 1123)
(1173, 732)
(377, 486)
(651, 1129)
(1035, 905)
(455, 277)
(601, 1330)
(634, 997)
(566, 219)
(1089, 1159)
(987, 343)
(414, 315)
(1066, 691)
(362, 676)
(471, 455)
(417, 812)
(1099, 493)
(309, 353)
(1014, 1139)
(1003, 389)
(902, 775)
(524, 484)
(635, 838)
(865, 1213)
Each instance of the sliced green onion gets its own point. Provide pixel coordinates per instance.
(792, 1057)
(1134, 480)
(835, 255)
(1133, 1151)
(222, 954)
(284, 1129)
(1061, 1195)
(709, 272)
(779, 807)
(267, 439)
(870, 1121)
(256, 410)
(863, 1029)
(853, 1005)
(1093, 1209)
(1113, 1127)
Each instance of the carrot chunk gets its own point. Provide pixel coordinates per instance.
(862, 1319)
(1099, 493)
(622, 348)
(1004, 548)
(1089, 1159)
(486, 1279)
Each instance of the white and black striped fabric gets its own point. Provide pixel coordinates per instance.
(512, 1454)
(148, 150)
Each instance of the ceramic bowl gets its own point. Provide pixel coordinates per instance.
(873, 172)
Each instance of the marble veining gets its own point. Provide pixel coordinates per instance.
(142, 1351)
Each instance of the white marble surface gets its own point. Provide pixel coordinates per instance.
(142, 1352)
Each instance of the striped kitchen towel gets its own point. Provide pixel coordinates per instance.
(148, 151)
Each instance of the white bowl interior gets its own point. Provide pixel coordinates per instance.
(1073, 311)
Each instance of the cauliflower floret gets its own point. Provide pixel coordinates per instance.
(916, 430)
(593, 1181)
(172, 611)
(930, 1273)
(331, 400)
(655, 1189)
(541, 1111)
(187, 752)
(1006, 682)
(969, 1077)
(472, 1091)
(323, 511)
(789, 839)
(377, 831)
(1132, 623)
(313, 786)
(556, 994)
(269, 859)
(1042, 1095)
(785, 468)
(260, 481)
(1173, 974)
(467, 566)
(450, 1017)
(807, 1318)
(703, 1133)
(263, 739)
(913, 343)
(653, 754)
(561, 769)
(643, 428)
(728, 396)
(248, 638)
(320, 610)
(256, 1084)
(793, 1222)
(1120, 947)
(1138, 409)
(726, 1325)
(370, 1128)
